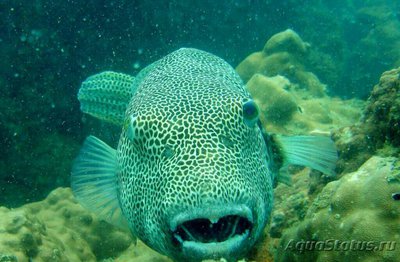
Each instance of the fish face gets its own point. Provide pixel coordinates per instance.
(195, 185)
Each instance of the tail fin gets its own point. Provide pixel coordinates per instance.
(316, 152)
(106, 96)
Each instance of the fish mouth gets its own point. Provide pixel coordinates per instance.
(212, 232)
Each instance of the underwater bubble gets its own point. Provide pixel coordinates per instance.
(23, 38)
(136, 65)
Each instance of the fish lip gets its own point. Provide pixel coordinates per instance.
(213, 213)
(232, 247)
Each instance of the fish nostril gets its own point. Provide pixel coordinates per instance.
(204, 231)
(227, 141)
(168, 152)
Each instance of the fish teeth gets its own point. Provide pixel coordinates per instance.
(178, 237)
(213, 220)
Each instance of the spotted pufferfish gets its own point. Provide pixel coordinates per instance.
(193, 172)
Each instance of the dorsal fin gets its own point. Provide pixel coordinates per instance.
(106, 96)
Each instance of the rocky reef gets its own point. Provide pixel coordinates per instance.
(314, 208)
(352, 219)
(283, 54)
(378, 131)
(59, 229)
(292, 99)
(360, 206)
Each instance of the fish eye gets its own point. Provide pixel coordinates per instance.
(250, 113)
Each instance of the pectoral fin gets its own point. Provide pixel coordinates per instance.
(316, 152)
(93, 181)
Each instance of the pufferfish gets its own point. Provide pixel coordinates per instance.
(193, 172)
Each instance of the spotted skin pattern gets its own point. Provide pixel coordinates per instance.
(184, 144)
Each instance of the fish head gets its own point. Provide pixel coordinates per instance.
(194, 181)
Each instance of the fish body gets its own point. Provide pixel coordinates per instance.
(192, 175)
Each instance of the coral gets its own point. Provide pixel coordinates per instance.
(358, 207)
(286, 41)
(382, 114)
(290, 206)
(276, 104)
(287, 110)
(322, 115)
(140, 253)
(376, 131)
(291, 99)
(378, 127)
(58, 229)
(283, 54)
(290, 203)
